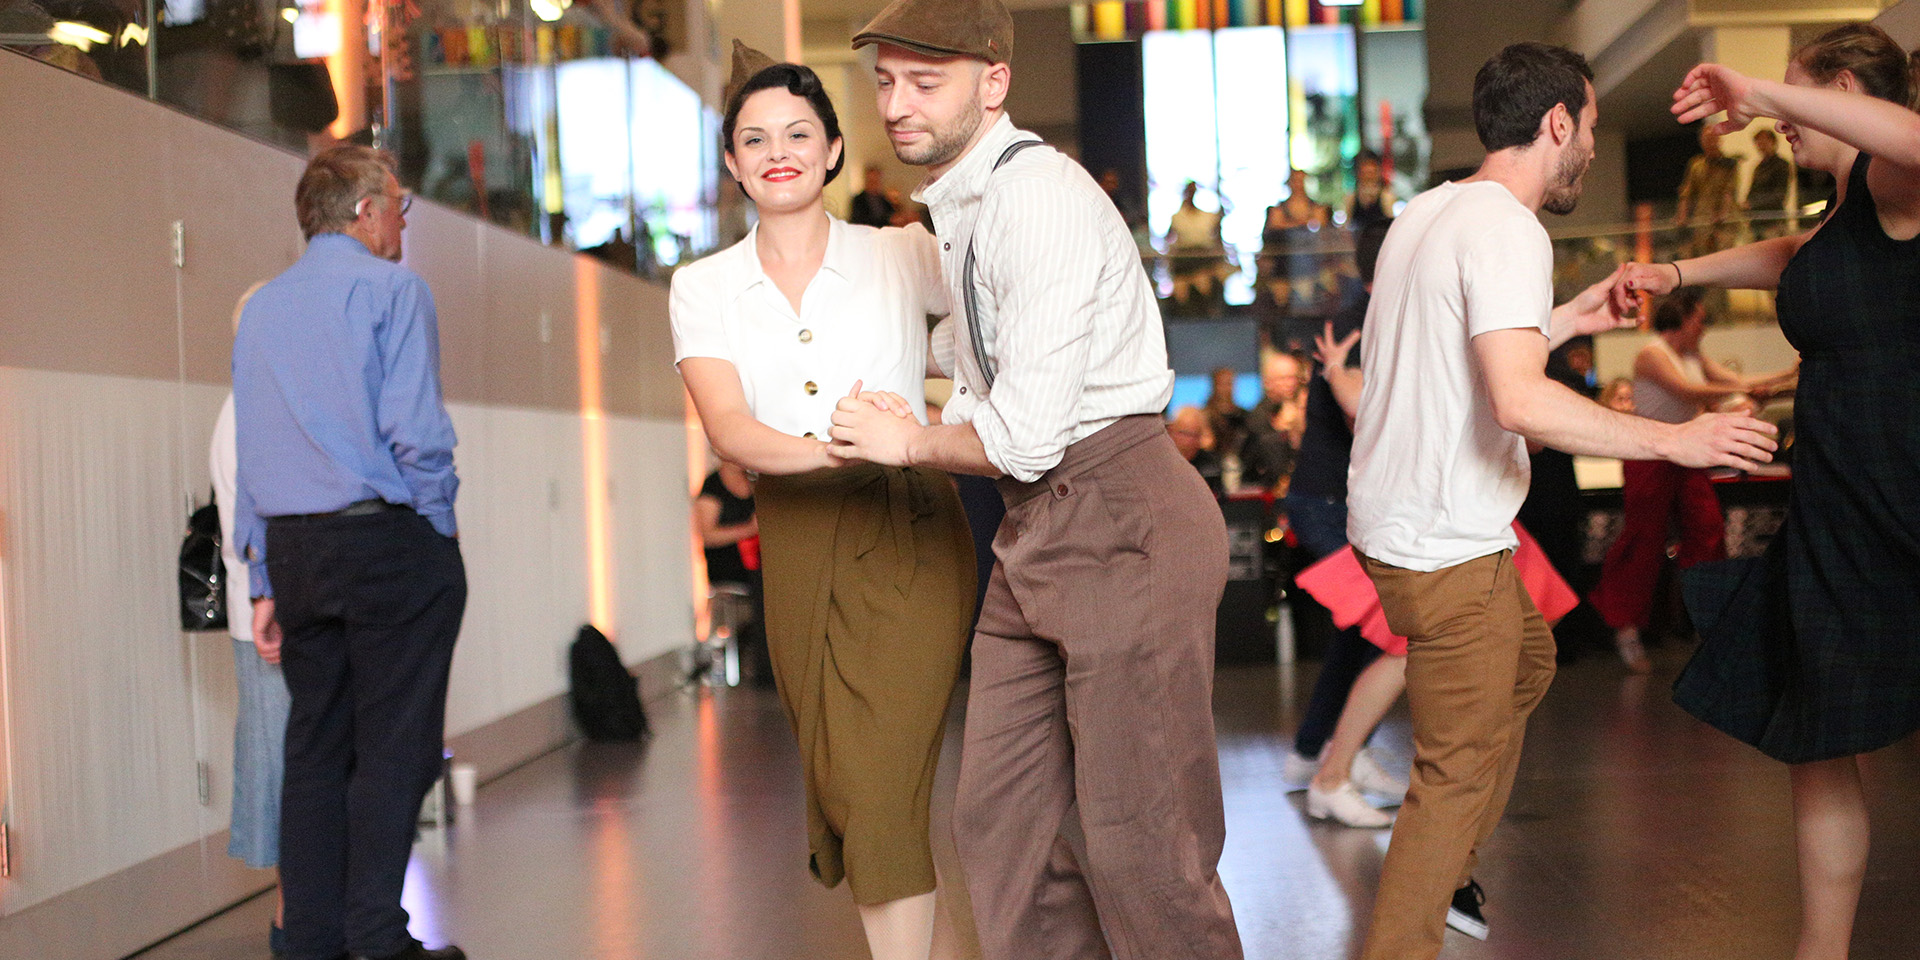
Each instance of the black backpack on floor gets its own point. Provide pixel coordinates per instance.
(606, 698)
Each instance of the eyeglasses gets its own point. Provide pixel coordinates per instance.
(404, 198)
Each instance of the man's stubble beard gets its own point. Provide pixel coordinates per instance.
(944, 146)
(1568, 181)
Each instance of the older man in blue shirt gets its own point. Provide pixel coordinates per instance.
(344, 511)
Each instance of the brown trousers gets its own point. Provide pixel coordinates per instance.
(1479, 658)
(1089, 795)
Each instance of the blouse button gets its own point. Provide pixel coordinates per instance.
(812, 388)
(963, 389)
(946, 246)
(809, 435)
(806, 336)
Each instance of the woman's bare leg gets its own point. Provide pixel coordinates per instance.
(900, 929)
(1374, 693)
(1830, 823)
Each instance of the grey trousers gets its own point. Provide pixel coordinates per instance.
(1089, 817)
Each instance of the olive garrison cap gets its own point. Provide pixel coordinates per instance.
(746, 63)
(944, 28)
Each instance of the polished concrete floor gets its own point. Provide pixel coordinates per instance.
(1635, 833)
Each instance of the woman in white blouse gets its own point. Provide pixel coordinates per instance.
(869, 570)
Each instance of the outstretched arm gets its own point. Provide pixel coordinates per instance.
(1656, 366)
(1887, 131)
(1592, 310)
(1527, 402)
(1753, 266)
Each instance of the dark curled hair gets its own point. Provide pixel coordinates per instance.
(1673, 312)
(800, 81)
(1519, 86)
(1875, 59)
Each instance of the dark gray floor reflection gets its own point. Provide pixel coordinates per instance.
(1635, 833)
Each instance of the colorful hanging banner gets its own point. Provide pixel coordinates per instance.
(1110, 20)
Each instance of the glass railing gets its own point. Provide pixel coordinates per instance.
(527, 113)
(1311, 275)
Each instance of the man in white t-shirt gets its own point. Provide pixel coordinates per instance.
(1455, 385)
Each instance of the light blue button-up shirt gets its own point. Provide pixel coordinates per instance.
(336, 385)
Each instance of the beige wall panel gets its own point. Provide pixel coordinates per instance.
(91, 200)
(640, 379)
(83, 268)
(442, 246)
(234, 200)
(523, 370)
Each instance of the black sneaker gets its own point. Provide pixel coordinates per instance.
(1464, 913)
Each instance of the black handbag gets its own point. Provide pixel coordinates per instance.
(203, 574)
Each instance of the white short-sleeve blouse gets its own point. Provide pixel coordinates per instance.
(863, 317)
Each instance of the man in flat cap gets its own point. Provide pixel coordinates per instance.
(1089, 820)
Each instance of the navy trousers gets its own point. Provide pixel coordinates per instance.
(1320, 524)
(369, 607)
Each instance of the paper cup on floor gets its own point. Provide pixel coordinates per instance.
(464, 778)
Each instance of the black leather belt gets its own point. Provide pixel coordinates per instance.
(358, 508)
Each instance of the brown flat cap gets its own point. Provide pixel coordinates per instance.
(944, 28)
(746, 62)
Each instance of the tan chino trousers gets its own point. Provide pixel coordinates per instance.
(1479, 658)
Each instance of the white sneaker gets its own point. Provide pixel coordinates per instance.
(1298, 770)
(1345, 806)
(1373, 778)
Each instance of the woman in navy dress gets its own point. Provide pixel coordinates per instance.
(1809, 653)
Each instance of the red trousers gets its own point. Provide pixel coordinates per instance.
(1654, 493)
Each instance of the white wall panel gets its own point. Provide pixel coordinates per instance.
(100, 681)
(653, 575)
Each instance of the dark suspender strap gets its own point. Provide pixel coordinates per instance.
(968, 296)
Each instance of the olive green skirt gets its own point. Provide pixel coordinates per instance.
(869, 587)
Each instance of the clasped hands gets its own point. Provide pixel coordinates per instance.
(877, 426)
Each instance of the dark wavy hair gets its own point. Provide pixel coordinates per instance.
(798, 80)
(1673, 311)
(1884, 69)
(1520, 85)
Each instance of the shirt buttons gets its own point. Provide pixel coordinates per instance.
(812, 388)
(963, 389)
(806, 336)
(946, 246)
